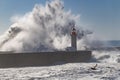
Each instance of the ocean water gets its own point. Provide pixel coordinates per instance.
(108, 68)
(47, 28)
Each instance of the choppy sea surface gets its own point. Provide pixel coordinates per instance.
(108, 68)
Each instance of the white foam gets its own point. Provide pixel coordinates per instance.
(45, 28)
(107, 56)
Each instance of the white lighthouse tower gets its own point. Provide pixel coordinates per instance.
(74, 39)
(73, 46)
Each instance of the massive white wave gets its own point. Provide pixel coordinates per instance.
(45, 28)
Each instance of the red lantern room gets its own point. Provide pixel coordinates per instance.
(73, 31)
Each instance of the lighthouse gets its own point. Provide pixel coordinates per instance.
(73, 46)
(74, 39)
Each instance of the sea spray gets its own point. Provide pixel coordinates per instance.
(45, 28)
(106, 56)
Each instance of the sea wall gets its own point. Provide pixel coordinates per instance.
(42, 58)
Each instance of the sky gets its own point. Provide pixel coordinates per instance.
(100, 16)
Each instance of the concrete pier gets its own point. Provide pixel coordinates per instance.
(8, 60)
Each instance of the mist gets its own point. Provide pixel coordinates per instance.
(45, 28)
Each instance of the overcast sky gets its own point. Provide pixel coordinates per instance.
(100, 16)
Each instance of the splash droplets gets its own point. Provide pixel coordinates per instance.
(45, 28)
